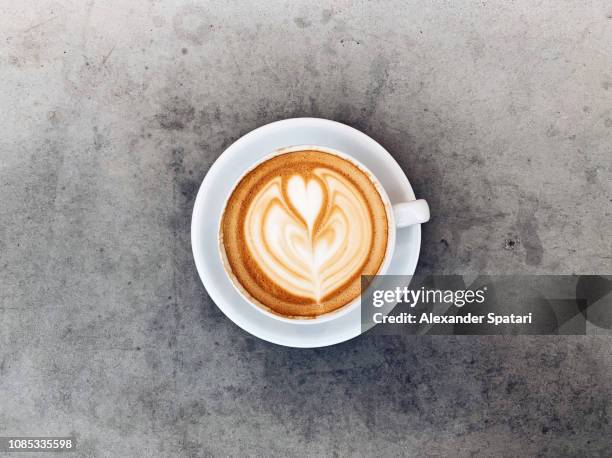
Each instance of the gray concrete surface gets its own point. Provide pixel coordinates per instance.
(111, 114)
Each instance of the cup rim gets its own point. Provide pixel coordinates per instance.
(346, 308)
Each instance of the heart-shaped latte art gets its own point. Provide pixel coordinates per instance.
(306, 198)
(309, 234)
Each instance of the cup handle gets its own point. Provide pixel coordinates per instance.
(409, 213)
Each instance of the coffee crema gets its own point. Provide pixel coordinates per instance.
(300, 229)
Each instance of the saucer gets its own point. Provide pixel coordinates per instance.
(215, 191)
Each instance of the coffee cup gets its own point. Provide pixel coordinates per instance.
(299, 195)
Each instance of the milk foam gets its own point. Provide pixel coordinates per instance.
(309, 232)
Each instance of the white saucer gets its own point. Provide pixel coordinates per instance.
(215, 190)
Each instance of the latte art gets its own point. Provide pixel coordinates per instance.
(298, 227)
(299, 231)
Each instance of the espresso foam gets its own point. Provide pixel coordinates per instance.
(300, 229)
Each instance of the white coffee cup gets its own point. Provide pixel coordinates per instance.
(399, 215)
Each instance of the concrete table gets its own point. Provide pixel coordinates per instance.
(111, 114)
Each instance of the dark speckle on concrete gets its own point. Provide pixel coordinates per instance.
(511, 244)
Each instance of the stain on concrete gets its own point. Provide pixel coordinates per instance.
(552, 131)
(158, 21)
(31, 46)
(326, 15)
(176, 164)
(188, 189)
(476, 44)
(591, 175)
(527, 225)
(190, 23)
(54, 117)
(99, 139)
(302, 22)
(379, 75)
(175, 114)
(392, 379)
